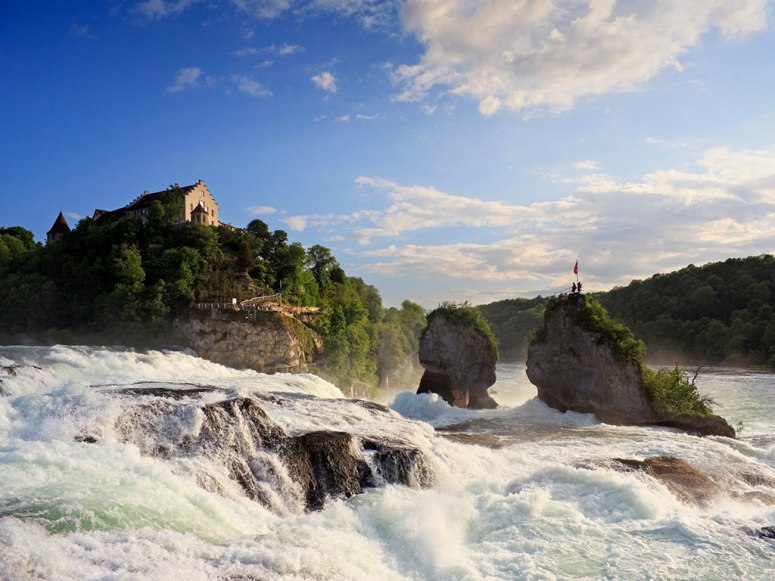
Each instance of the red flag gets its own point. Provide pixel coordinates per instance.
(576, 268)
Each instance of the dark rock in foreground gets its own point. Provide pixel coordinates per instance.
(234, 443)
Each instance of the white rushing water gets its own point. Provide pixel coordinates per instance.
(533, 502)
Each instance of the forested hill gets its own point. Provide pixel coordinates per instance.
(126, 281)
(720, 313)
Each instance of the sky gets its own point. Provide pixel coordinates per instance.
(463, 150)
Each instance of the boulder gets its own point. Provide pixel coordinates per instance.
(681, 478)
(573, 370)
(459, 358)
(268, 342)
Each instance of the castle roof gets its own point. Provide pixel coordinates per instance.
(147, 198)
(60, 225)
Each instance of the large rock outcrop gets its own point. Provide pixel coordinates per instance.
(264, 341)
(573, 370)
(582, 361)
(459, 359)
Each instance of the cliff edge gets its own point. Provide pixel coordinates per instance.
(264, 341)
(583, 361)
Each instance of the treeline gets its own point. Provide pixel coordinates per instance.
(720, 313)
(125, 281)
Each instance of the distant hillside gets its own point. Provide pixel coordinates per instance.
(720, 313)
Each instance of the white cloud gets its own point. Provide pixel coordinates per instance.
(260, 210)
(544, 55)
(282, 50)
(724, 206)
(81, 31)
(343, 118)
(250, 87)
(296, 223)
(186, 78)
(325, 81)
(586, 165)
(158, 9)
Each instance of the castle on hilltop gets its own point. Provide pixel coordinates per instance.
(196, 205)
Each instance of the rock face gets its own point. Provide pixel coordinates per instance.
(577, 368)
(700, 425)
(265, 341)
(681, 478)
(234, 445)
(459, 363)
(574, 371)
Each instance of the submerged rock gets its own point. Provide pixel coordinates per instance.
(235, 440)
(459, 358)
(681, 478)
(766, 532)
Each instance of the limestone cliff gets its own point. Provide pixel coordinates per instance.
(582, 361)
(459, 356)
(265, 341)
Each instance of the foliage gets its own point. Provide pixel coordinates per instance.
(590, 315)
(466, 315)
(672, 393)
(513, 321)
(720, 313)
(123, 280)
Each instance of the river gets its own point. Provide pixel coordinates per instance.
(521, 492)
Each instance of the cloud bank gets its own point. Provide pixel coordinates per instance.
(724, 206)
(529, 55)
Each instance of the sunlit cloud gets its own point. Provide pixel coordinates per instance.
(545, 55)
(260, 210)
(724, 206)
(325, 81)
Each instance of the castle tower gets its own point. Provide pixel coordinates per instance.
(58, 230)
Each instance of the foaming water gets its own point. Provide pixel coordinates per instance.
(538, 500)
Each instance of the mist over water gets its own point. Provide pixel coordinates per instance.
(531, 500)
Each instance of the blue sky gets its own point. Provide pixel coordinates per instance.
(443, 149)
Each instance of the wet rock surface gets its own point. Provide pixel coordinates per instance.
(681, 478)
(700, 425)
(237, 439)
